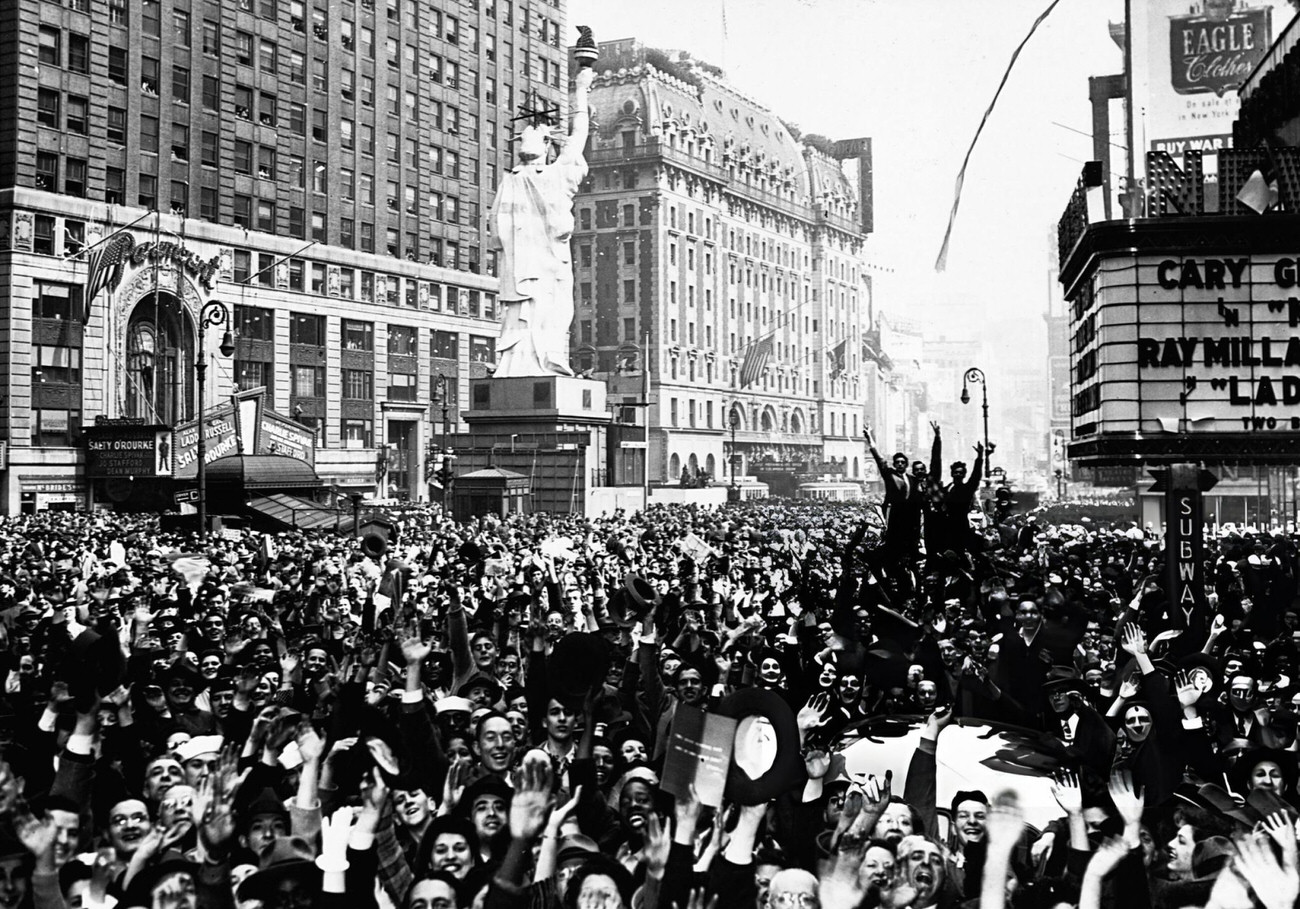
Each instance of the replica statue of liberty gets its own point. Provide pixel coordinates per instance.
(533, 219)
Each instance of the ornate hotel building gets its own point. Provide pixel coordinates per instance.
(708, 230)
(323, 169)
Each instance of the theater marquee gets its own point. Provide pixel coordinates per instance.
(1198, 348)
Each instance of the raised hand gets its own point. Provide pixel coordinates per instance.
(1135, 641)
(415, 650)
(1129, 687)
(1005, 823)
(1279, 828)
(817, 763)
(697, 901)
(1127, 799)
(1185, 688)
(815, 712)
(1275, 886)
(532, 799)
(334, 832)
(1066, 791)
(687, 809)
(1109, 854)
(289, 662)
(453, 788)
(934, 424)
(658, 843)
(38, 835)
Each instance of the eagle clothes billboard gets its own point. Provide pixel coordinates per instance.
(1188, 60)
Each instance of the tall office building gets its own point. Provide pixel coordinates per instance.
(707, 230)
(322, 168)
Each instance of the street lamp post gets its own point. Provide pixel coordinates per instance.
(735, 424)
(976, 376)
(214, 313)
(443, 472)
(1060, 483)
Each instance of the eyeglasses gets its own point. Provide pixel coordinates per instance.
(793, 900)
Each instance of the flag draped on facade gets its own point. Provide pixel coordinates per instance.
(837, 360)
(105, 267)
(755, 362)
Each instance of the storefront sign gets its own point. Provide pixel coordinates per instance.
(202, 270)
(220, 440)
(284, 437)
(128, 451)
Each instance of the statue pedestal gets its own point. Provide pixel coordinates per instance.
(551, 401)
(551, 429)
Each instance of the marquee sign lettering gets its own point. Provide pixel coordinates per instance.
(1189, 345)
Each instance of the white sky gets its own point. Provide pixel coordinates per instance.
(915, 76)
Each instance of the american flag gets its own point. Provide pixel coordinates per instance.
(105, 267)
(838, 359)
(755, 361)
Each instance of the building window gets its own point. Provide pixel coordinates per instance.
(402, 341)
(297, 226)
(308, 330)
(308, 381)
(208, 149)
(211, 38)
(266, 215)
(149, 74)
(266, 162)
(148, 198)
(74, 177)
(402, 386)
(115, 186)
(358, 335)
(243, 157)
(180, 142)
(47, 171)
(180, 84)
(78, 53)
(243, 102)
(317, 277)
(355, 433)
(358, 385)
(268, 60)
(254, 323)
(117, 65)
(181, 27)
(47, 107)
(297, 118)
(243, 211)
(43, 235)
(266, 110)
(51, 300)
(318, 227)
(148, 134)
(243, 265)
(211, 93)
(150, 18)
(56, 428)
(50, 52)
(347, 232)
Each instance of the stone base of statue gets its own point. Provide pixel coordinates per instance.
(550, 429)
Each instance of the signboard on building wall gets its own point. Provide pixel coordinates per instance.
(277, 435)
(127, 450)
(1200, 345)
(221, 439)
(1189, 59)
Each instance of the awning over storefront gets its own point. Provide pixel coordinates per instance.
(263, 472)
(290, 512)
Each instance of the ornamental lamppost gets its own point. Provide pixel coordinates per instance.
(214, 313)
(976, 376)
(441, 395)
(735, 424)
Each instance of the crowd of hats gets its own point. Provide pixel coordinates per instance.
(142, 665)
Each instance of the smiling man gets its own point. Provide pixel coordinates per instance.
(921, 865)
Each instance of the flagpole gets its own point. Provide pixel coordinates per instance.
(645, 399)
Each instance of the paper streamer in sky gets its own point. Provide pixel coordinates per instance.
(942, 261)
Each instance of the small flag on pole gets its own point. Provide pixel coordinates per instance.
(1259, 195)
(836, 362)
(755, 362)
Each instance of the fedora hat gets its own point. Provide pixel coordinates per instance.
(762, 767)
(579, 662)
(286, 857)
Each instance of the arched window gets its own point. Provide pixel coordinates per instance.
(674, 469)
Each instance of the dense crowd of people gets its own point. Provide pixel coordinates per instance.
(490, 713)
